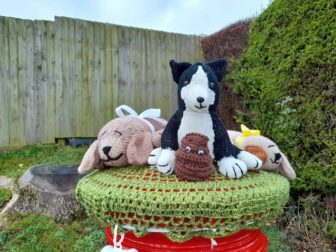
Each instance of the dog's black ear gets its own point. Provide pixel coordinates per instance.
(219, 67)
(178, 69)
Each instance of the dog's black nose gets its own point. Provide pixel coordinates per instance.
(200, 99)
(107, 149)
(277, 157)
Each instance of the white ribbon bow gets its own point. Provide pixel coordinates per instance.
(149, 113)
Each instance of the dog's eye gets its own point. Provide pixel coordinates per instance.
(186, 82)
(201, 152)
(118, 132)
(188, 149)
(212, 85)
(103, 133)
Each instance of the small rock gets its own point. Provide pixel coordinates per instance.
(7, 183)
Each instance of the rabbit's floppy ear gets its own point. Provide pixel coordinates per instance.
(90, 159)
(257, 151)
(286, 169)
(139, 148)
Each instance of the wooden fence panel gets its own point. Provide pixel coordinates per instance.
(65, 78)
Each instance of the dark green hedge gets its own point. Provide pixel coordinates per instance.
(287, 77)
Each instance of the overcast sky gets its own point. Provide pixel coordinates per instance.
(182, 16)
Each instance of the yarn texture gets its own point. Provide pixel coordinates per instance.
(144, 198)
(193, 161)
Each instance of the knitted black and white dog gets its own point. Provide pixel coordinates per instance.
(198, 95)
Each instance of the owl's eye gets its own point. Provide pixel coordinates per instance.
(201, 152)
(188, 149)
(212, 85)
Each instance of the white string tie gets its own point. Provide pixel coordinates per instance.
(149, 114)
(213, 243)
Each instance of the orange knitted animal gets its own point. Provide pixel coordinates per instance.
(193, 161)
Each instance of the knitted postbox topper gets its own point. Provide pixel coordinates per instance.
(144, 200)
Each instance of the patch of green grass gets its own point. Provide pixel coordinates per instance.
(39, 233)
(15, 162)
(5, 195)
(275, 240)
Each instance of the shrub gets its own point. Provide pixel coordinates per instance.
(228, 43)
(287, 78)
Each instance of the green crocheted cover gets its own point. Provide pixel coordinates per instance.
(143, 198)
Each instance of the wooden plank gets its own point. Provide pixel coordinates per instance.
(125, 69)
(4, 82)
(150, 62)
(131, 87)
(122, 81)
(39, 68)
(108, 92)
(115, 65)
(85, 86)
(96, 77)
(31, 113)
(136, 77)
(157, 95)
(22, 79)
(50, 81)
(58, 75)
(164, 76)
(89, 98)
(77, 47)
(172, 85)
(87, 81)
(146, 85)
(198, 48)
(63, 102)
(14, 119)
(142, 69)
(71, 84)
(101, 81)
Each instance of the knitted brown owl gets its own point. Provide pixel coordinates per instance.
(193, 161)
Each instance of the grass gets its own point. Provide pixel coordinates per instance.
(5, 196)
(275, 239)
(15, 162)
(40, 233)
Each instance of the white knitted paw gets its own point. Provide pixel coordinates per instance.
(251, 161)
(153, 157)
(166, 161)
(232, 167)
